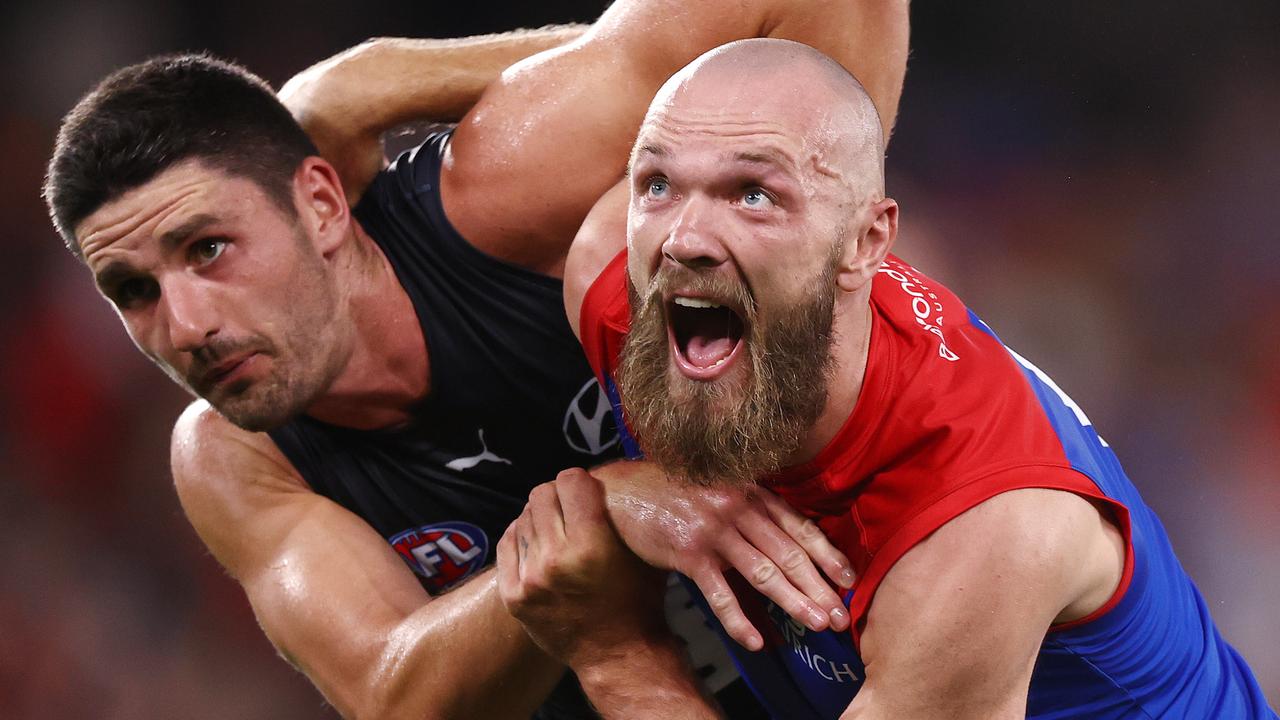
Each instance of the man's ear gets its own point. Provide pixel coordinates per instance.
(321, 204)
(863, 256)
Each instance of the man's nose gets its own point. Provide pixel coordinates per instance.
(694, 241)
(192, 317)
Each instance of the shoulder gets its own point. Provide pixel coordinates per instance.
(602, 236)
(205, 444)
(226, 478)
(962, 615)
(1030, 531)
(1040, 554)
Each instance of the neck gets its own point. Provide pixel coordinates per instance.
(386, 371)
(849, 350)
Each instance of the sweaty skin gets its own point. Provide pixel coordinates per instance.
(224, 310)
(726, 181)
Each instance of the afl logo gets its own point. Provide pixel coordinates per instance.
(588, 423)
(443, 554)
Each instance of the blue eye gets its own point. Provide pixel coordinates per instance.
(658, 187)
(755, 197)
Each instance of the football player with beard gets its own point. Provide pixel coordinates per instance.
(381, 385)
(755, 328)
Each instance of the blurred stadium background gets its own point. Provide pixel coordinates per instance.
(1100, 181)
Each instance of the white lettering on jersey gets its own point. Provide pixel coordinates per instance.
(793, 633)
(924, 304)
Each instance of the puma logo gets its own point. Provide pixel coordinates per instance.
(466, 463)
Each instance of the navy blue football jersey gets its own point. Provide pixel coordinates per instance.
(512, 401)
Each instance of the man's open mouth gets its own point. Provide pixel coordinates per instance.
(705, 336)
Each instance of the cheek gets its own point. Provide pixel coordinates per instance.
(645, 235)
(151, 339)
(783, 269)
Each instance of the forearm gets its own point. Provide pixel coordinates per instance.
(373, 653)
(386, 82)
(463, 656)
(347, 102)
(649, 680)
(337, 601)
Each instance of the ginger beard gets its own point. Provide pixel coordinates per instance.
(744, 425)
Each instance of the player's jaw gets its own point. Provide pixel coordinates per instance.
(717, 390)
(255, 383)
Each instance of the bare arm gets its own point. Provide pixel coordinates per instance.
(348, 101)
(337, 602)
(699, 532)
(554, 132)
(956, 625)
(868, 38)
(591, 603)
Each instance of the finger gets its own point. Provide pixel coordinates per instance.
(769, 580)
(722, 601)
(796, 565)
(524, 539)
(545, 514)
(508, 561)
(582, 501)
(806, 532)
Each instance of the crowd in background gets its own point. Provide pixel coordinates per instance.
(1099, 181)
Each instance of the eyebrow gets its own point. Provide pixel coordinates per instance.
(192, 226)
(651, 149)
(114, 272)
(118, 270)
(772, 157)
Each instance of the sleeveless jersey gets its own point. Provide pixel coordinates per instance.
(512, 399)
(949, 417)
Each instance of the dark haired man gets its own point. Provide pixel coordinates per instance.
(1007, 568)
(409, 380)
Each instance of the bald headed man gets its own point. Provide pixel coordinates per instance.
(756, 329)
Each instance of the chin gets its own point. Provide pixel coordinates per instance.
(258, 411)
(724, 393)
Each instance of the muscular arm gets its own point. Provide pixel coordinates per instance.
(337, 602)
(553, 133)
(955, 626)
(348, 101)
(870, 40)
(588, 601)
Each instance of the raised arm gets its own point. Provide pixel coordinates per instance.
(348, 101)
(336, 601)
(553, 134)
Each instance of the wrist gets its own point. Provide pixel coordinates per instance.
(655, 665)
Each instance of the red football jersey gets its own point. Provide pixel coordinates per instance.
(949, 417)
(945, 420)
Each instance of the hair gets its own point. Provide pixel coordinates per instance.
(142, 119)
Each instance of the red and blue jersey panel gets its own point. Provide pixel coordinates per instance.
(949, 417)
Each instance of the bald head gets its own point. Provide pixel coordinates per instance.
(793, 87)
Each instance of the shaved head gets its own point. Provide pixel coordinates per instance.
(757, 221)
(791, 84)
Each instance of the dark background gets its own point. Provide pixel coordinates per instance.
(1098, 180)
